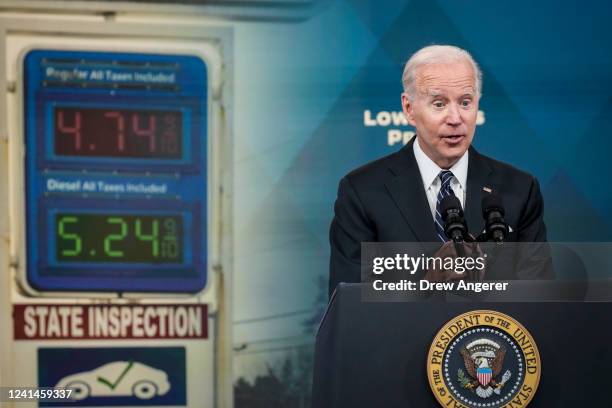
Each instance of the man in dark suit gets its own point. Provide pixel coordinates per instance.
(397, 198)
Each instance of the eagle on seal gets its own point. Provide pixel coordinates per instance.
(483, 360)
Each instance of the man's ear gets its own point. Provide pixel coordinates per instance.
(407, 107)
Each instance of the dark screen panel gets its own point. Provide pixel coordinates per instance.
(118, 133)
(119, 238)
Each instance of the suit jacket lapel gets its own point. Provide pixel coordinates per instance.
(478, 175)
(407, 191)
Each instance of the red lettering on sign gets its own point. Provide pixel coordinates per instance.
(151, 321)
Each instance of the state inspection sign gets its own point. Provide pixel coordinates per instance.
(86, 322)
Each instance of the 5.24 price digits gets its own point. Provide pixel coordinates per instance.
(119, 238)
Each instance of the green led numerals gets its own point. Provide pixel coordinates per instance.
(153, 237)
(115, 237)
(169, 243)
(137, 238)
(76, 239)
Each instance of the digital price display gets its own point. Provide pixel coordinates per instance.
(119, 238)
(117, 133)
(116, 171)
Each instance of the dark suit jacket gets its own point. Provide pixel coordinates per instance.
(384, 201)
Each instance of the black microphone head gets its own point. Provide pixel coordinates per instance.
(492, 202)
(493, 213)
(450, 203)
(455, 226)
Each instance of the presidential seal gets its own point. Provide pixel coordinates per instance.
(483, 359)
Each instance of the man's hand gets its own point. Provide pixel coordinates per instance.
(449, 250)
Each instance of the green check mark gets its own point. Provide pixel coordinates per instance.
(113, 385)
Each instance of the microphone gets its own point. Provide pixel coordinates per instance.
(496, 229)
(455, 226)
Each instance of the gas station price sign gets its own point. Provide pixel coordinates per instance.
(116, 171)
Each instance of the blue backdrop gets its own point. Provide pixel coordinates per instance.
(302, 90)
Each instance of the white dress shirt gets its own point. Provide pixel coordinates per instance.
(431, 182)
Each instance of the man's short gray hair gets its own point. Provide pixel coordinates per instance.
(437, 54)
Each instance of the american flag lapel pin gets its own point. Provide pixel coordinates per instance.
(487, 189)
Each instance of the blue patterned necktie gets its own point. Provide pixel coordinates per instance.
(445, 190)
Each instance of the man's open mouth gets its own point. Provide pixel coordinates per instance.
(453, 138)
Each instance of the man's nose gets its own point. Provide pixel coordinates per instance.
(453, 117)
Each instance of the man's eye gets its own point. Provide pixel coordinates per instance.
(438, 104)
(466, 102)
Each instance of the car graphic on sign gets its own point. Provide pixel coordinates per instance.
(117, 379)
